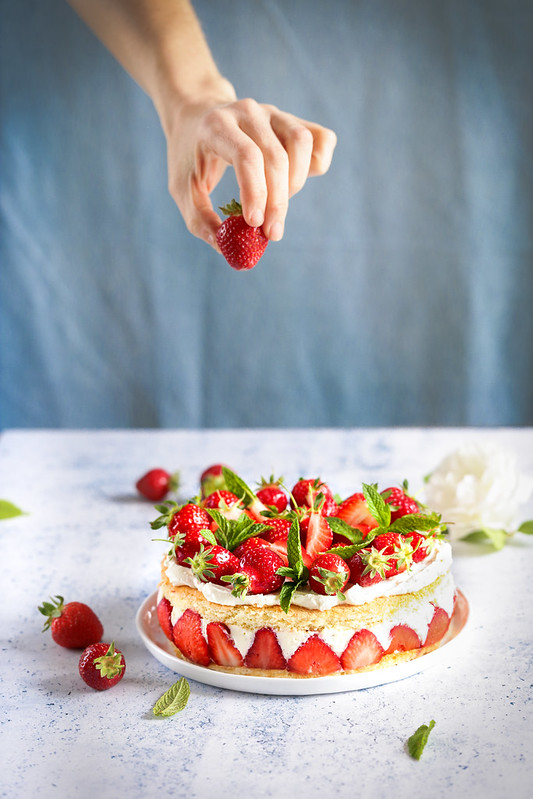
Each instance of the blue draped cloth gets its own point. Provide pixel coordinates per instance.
(402, 291)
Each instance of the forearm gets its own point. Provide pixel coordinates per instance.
(161, 45)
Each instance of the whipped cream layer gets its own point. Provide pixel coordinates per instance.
(417, 577)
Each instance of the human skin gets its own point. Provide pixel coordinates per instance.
(161, 45)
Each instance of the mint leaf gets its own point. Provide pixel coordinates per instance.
(242, 529)
(286, 594)
(377, 505)
(341, 527)
(294, 550)
(8, 510)
(418, 740)
(488, 535)
(174, 700)
(526, 527)
(424, 523)
(237, 486)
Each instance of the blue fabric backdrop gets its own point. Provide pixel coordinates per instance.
(402, 292)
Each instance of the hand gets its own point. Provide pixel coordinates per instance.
(272, 152)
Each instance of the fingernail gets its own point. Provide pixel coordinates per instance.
(256, 218)
(276, 231)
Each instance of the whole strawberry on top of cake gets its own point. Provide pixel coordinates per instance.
(321, 587)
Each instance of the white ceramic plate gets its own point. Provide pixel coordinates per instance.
(157, 643)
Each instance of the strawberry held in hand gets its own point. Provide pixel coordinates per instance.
(241, 245)
(73, 625)
(101, 666)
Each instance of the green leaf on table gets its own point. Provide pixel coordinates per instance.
(418, 740)
(488, 535)
(174, 700)
(526, 527)
(8, 510)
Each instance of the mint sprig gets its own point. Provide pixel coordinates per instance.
(174, 700)
(232, 532)
(237, 486)
(377, 506)
(296, 572)
(418, 740)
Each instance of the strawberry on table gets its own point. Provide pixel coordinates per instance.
(156, 484)
(329, 575)
(101, 666)
(212, 479)
(74, 625)
(241, 245)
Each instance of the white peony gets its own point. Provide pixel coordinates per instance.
(478, 487)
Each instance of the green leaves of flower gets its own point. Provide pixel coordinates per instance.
(8, 510)
(174, 700)
(418, 740)
(495, 537)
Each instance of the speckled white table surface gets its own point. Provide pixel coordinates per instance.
(86, 536)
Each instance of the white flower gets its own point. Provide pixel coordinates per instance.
(478, 487)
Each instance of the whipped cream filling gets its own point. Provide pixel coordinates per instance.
(418, 576)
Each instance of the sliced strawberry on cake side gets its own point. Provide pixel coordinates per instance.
(438, 627)
(314, 658)
(265, 652)
(363, 650)
(223, 650)
(164, 613)
(403, 639)
(187, 635)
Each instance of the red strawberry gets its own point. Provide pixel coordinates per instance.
(438, 627)
(221, 500)
(188, 638)
(329, 575)
(271, 494)
(101, 666)
(212, 563)
(164, 612)
(400, 502)
(73, 625)
(278, 529)
(311, 493)
(256, 573)
(316, 532)
(265, 652)
(363, 650)
(155, 484)
(241, 245)
(403, 638)
(223, 650)
(190, 518)
(421, 545)
(398, 550)
(212, 480)
(250, 543)
(367, 567)
(314, 657)
(354, 511)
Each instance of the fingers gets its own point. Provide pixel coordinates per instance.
(272, 152)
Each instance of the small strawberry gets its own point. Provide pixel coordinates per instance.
(101, 666)
(241, 245)
(73, 625)
(329, 575)
(312, 493)
(314, 657)
(363, 650)
(223, 650)
(354, 511)
(188, 638)
(278, 528)
(212, 563)
(401, 503)
(257, 573)
(186, 546)
(190, 518)
(422, 545)
(368, 566)
(265, 652)
(221, 499)
(212, 479)
(156, 484)
(249, 544)
(272, 495)
(316, 533)
(398, 550)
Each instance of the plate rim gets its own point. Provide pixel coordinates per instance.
(286, 686)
